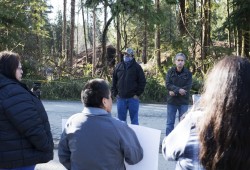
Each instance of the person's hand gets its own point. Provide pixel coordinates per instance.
(182, 92)
(171, 93)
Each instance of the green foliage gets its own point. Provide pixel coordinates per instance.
(240, 15)
(197, 85)
(71, 89)
(18, 18)
(155, 91)
(172, 2)
(87, 69)
(60, 90)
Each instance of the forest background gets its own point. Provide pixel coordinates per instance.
(87, 37)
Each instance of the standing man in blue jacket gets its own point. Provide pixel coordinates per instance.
(178, 84)
(128, 84)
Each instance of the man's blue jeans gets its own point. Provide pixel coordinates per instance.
(128, 104)
(171, 114)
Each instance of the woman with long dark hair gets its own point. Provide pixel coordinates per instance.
(25, 135)
(225, 127)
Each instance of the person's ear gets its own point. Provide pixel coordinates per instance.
(104, 101)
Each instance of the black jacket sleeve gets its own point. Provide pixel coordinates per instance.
(141, 81)
(114, 90)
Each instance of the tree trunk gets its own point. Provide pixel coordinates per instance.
(77, 34)
(205, 37)
(170, 25)
(182, 16)
(88, 28)
(247, 37)
(84, 31)
(186, 14)
(235, 33)
(94, 43)
(144, 52)
(124, 22)
(239, 41)
(104, 48)
(207, 17)
(246, 44)
(243, 44)
(235, 39)
(194, 35)
(72, 30)
(105, 13)
(64, 31)
(229, 26)
(118, 40)
(157, 39)
(202, 35)
(104, 39)
(157, 46)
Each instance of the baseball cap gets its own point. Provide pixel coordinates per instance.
(129, 51)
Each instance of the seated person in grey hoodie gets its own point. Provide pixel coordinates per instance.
(93, 139)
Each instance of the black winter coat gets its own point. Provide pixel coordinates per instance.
(174, 82)
(25, 135)
(128, 81)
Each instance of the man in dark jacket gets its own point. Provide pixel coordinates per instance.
(178, 84)
(128, 84)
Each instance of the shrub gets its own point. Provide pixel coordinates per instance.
(60, 90)
(155, 91)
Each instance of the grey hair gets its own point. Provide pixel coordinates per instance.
(180, 54)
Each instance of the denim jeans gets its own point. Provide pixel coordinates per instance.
(21, 168)
(171, 114)
(128, 104)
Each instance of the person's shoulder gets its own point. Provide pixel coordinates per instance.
(115, 120)
(172, 69)
(15, 88)
(75, 117)
(8, 90)
(136, 64)
(74, 121)
(186, 70)
(120, 63)
(6, 81)
(118, 123)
